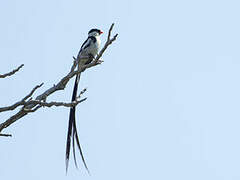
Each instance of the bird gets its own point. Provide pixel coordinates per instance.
(86, 55)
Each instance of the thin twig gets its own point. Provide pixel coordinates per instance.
(6, 135)
(12, 72)
(33, 90)
(22, 102)
(109, 32)
(81, 93)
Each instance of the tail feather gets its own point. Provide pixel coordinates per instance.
(72, 128)
(79, 146)
(69, 134)
(70, 123)
(74, 153)
(73, 141)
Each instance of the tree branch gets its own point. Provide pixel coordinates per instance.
(12, 72)
(30, 105)
(53, 103)
(22, 102)
(6, 135)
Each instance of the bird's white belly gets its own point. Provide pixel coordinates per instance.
(92, 49)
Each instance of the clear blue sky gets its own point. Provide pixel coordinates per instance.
(164, 104)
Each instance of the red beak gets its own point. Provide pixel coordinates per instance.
(101, 32)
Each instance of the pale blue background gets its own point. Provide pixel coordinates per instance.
(164, 104)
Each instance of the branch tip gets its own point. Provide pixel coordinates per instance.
(12, 72)
(6, 135)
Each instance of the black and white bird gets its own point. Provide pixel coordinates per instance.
(87, 53)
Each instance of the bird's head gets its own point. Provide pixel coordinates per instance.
(94, 32)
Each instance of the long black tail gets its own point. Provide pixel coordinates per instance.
(72, 130)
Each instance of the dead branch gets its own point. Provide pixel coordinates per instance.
(6, 135)
(12, 72)
(28, 105)
(22, 102)
(53, 103)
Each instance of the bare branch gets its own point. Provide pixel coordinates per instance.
(31, 93)
(108, 42)
(82, 92)
(22, 102)
(6, 135)
(40, 101)
(109, 32)
(53, 103)
(25, 110)
(12, 119)
(12, 72)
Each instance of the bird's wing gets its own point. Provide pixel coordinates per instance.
(86, 43)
